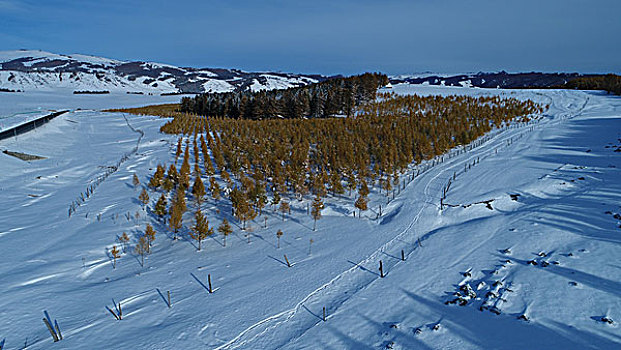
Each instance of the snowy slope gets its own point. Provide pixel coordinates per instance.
(39, 57)
(28, 70)
(17, 108)
(563, 167)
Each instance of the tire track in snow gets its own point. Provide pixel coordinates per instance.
(341, 288)
(238, 342)
(287, 315)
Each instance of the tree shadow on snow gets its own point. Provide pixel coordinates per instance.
(587, 279)
(400, 336)
(162, 295)
(280, 261)
(346, 341)
(363, 268)
(490, 331)
(199, 281)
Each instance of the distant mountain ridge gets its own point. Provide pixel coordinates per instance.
(502, 80)
(27, 70)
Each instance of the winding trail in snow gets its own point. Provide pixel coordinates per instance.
(283, 328)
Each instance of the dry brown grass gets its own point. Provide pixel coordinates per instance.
(162, 110)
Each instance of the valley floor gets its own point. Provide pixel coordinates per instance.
(532, 228)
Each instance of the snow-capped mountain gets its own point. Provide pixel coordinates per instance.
(36, 70)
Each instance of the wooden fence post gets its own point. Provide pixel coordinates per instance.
(49, 328)
(60, 335)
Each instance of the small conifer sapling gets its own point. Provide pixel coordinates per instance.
(149, 233)
(124, 240)
(175, 221)
(160, 207)
(201, 229)
(316, 211)
(135, 180)
(278, 235)
(144, 198)
(142, 249)
(198, 190)
(115, 255)
(361, 204)
(214, 188)
(225, 229)
(284, 208)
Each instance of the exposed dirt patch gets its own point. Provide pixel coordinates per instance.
(23, 156)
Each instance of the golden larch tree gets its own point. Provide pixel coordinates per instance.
(144, 198)
(316, 211)
(225, 229)
(201, 229)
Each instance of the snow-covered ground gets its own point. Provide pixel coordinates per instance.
(563, 170)
(17, 108)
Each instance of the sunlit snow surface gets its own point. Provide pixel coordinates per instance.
(19, 107)
(563, 167)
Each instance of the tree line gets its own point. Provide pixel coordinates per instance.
(608, 82)
(337, 96)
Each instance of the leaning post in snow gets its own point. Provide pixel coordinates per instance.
(209, 283)
(324, 314)
(49, 328)
(380, 210)
(169, 303)
(112, 312)
(381, 269)
(287, 260)
(419, 244)
(60, 335)
(402, 255)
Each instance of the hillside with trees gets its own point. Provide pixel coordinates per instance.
(337, 96)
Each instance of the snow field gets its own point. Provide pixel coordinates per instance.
(59, 264)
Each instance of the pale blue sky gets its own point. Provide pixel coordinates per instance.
(327, 37)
